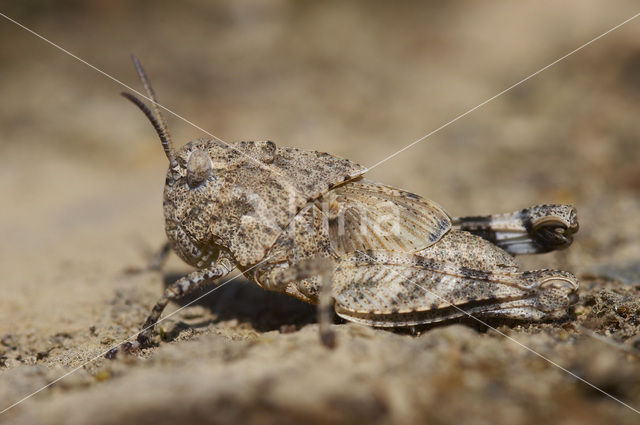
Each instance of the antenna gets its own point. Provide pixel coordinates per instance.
(156, 117)
(156, 124)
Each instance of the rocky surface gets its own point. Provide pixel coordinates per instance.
(82, 176)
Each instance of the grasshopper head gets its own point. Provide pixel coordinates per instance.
(190, 201)
(189, 185)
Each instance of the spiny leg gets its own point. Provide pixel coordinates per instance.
(176, 290)
(392, 289)
(183, 286)
(534, 230)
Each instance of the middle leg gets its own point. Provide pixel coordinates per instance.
(311, 278)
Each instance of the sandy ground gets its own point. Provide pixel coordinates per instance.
(81, 192)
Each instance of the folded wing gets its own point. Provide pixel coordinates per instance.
(368, 215)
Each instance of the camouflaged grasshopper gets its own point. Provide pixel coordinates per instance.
(309, 224)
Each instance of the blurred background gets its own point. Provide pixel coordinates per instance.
(82, 177)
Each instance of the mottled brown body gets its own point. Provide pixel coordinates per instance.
(249, 196)
(309, 224)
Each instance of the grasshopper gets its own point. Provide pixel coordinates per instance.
(310, 225)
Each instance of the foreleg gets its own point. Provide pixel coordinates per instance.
(160, 257)
(177, 290)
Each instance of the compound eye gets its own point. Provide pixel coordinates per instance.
(199, 168)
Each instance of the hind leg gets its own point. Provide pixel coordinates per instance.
(534, 230)
(390, 289)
